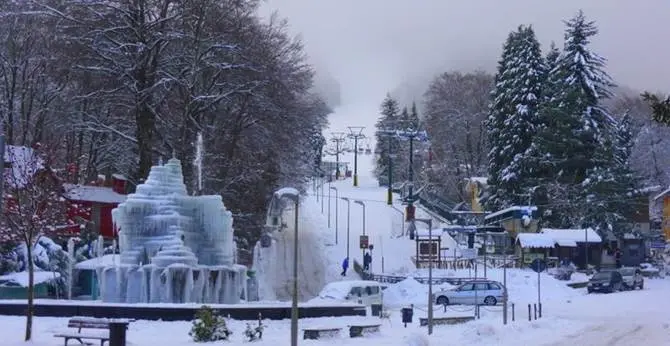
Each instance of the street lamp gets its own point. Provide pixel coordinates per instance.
(293, 195)
(348, 221)
(402, 219)
(355, 132)
(429, 222)
(363, 205)
(336, 210)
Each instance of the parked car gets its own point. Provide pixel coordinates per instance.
(632, 278)
(354, 291)
(484, 292)
(605, 281)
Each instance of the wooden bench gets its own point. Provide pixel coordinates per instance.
(446, 320)
(361, 330)
(317, 333)
(88, 323)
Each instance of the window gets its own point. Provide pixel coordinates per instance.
(356, 291)
(374, 290)
(482, 286)
(494, 286)
(466, 287)
(368, 290)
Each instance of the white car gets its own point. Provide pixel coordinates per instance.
(351, 291)
(472, 293)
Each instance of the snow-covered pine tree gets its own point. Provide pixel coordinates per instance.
(414, 117)
(609, 191)
(553, 55)
(514, 117)
(501, 105)
(572, 139)
(404, 123)
(388, 120)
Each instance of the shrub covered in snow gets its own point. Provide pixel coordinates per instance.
(209, 326)
(47, 256)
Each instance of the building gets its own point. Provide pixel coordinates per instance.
(557, 244)
(94, 203)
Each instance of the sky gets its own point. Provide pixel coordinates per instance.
(372, 46)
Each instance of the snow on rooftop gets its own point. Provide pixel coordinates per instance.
(86, 193)
(287, 191)
(574, 235)
(663, 193)
(21, 278)
(514, 208)
(535, 240)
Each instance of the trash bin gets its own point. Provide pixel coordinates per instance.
(407, 314)
(117, 333)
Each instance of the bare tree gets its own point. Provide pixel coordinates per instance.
(456, 106)
(33, 207)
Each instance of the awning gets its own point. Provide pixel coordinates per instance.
(566, 243)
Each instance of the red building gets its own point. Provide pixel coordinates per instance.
(94, 203)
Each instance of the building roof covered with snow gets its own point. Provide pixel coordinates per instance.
(535, 240)
(97, 194)
(569, 236)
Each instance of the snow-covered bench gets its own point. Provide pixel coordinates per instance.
(317, 333)
(88, 323)
(361, 330)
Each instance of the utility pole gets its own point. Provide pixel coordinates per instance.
(338, 139)
(389, 192)
(412, 135)
(356, 132)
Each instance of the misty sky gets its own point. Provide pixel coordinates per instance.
(370, 46)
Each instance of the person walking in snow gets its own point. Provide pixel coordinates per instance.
(367, 260)
(345, 266)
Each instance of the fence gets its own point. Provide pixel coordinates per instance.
(392, 279)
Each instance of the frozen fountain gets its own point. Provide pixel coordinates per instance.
(174, 248)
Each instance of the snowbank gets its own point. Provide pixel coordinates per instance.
(409, 291)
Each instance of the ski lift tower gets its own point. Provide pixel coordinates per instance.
(411, 135)
(356, 132)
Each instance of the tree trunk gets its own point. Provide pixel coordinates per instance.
(31, 281)
(145, 123)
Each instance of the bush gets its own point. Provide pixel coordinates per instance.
(209, 326)
(254, 333)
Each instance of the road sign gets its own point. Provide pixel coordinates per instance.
(363, 242)
(538, 265)
(469, 253)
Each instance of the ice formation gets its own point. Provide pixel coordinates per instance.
(174, 248)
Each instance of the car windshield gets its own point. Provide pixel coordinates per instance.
(627, 272)
(601, 276)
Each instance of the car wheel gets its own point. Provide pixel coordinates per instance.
(442, 300)
(490, 300)
(641, 286)
(589, 290)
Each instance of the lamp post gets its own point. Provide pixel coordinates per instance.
(348, 221)
(363, 205)
(402, 219)
(336, 210)
(429, 222)
(322, 184)
(293, 195)
(355, 132)
(329, 188)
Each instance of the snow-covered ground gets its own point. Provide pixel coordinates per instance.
(624, 319)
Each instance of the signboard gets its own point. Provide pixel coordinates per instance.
(538, 265)
(666, 217)
(363, 242)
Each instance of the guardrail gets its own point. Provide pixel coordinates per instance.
(393, 279)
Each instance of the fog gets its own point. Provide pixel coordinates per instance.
(372, 46)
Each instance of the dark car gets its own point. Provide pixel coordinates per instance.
(605, 281)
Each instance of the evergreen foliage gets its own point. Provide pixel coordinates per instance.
(513, 117)
(209, 326)
(390, 120)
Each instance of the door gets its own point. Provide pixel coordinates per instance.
(465, 295)
(483, 291)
